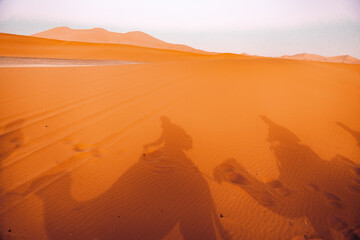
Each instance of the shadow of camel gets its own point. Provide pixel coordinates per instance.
(11, 139)
(307, 186)
(161, 191)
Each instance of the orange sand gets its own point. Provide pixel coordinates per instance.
(186, 146)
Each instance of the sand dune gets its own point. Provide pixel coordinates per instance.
(100, 35)
(314, 57)
(184, 146)
(24, 46)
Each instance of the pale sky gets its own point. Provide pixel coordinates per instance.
(262, 27)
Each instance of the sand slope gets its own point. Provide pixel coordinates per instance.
(206, 147)
(24, 46)
(100, 35)
(314, 57)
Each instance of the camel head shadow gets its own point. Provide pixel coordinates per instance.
(279, 134)
(353, 133)
(173, 138)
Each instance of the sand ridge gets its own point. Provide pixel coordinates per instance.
(100, 35)
(315, 57)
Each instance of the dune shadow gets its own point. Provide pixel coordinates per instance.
(307, 186)
(162, 191)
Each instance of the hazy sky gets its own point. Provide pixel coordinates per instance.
(263, 27)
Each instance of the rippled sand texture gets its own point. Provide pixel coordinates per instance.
(185, 146)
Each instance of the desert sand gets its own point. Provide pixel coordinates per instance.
(182, 146)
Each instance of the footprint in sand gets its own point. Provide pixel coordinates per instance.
(69, 141)
(237, 178)
(313, 188)
(266, 199)
(331, 197)
(277, 186)
(225, 172)
(333, 200)
(356, 181)
(83, 147)
(306, 237)
(96, 152)
(343, 228)
(354, 188)
(225, 167)
(356, 171)
(355, 185)
(273, 183)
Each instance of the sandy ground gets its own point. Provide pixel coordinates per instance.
(195, 147)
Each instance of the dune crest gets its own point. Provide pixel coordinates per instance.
(100, 35)
(314, 57)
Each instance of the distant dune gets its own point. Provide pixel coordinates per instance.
(26, 46)
(100, 35)
(138, 38)
(314, 57)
